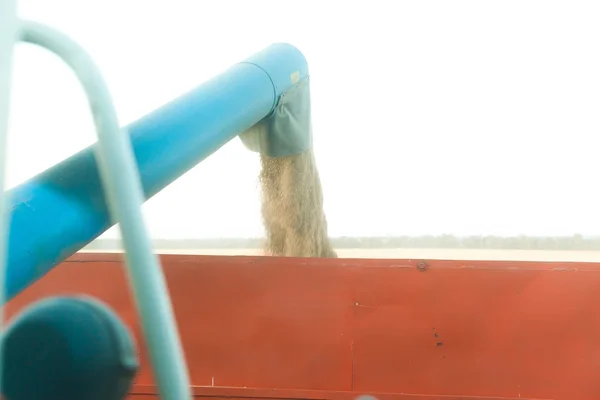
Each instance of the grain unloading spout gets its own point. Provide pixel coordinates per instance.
(61, 210)
(286, 130)
(291, 193)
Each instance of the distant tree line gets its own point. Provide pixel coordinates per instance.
(575, 242)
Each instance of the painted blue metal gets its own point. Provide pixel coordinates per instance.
(88, 352)
(59, 211)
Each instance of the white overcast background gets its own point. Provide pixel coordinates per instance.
(430, 117)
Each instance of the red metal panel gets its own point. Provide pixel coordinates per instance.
(344, 327)
(243, 321)
(490, 329)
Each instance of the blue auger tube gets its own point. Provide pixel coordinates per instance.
(61, 210)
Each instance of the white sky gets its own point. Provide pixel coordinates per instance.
(430, 117)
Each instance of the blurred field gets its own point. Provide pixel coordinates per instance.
(439, 254)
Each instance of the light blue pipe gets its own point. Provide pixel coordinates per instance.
(124, 196)
(61, 210)
(9, 25)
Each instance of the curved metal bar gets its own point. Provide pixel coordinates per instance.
(121, 182)
(8, 35)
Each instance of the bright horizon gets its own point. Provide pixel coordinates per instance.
(430, 117)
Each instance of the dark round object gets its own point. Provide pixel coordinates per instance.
(68, 348)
